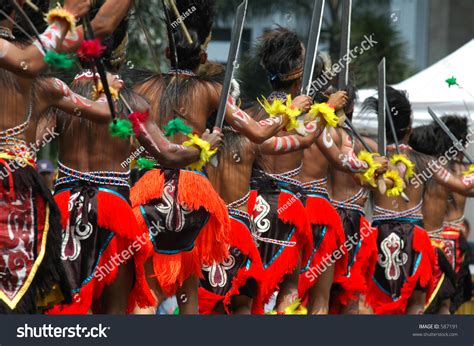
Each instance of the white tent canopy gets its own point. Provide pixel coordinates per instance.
(429, 88)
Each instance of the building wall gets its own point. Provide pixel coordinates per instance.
(450, 26)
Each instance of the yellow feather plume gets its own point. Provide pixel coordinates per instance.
(469, 171)
(397, 188)
(326, 111)
(400, 158)
(369, 175)
(206, 152)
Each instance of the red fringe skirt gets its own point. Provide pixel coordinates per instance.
(353, 280)
(328, 236)
(415, 249)
(245, 264)
(115, 215)
(283, 233)
(194, 192)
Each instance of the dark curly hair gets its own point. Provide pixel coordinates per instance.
(199, 22)
(36, 19)
(431, 139)
(400, 111)
(280, 52)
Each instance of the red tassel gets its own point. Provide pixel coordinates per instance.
(242, 239)
(90, 50)
(363, 268)
(116, 215)
(212, 243)
(292, 212)
(321, 212)
(137, 120)
(382, 303)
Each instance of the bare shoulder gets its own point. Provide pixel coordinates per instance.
(371, 143)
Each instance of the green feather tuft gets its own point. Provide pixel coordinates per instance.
(177, 126)
(452, 81)
(145, 163)
(59, 60)
(121, 128)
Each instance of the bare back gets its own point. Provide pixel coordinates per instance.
(435, 205)
(231, 178)
(276, 164)
(195, 104)
(456, 202)
(342, 186)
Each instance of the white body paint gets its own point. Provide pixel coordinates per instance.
(4, 48)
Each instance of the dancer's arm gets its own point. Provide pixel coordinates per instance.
(292, 143)
(29, 62)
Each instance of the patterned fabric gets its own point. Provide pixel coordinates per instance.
(173, 227)
(273, 235)
(218, 276)
(443, 285)
(29, 243)
(83, 240)
(397, 260)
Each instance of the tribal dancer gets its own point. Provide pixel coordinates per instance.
(190, 216)
(100, 232)
(282, 227)
(455, 222)
(318, 271)
(403, 276)
(230, 286)
(438, 201)
(31, 277)
(348, 196)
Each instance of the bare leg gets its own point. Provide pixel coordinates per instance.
(416, 303)
(363, 308)
(444, 309)
(187, 296)
(115, 296)
(242, 305)
(319, 293)
(155, 290)
(352, 308)
(288, 290)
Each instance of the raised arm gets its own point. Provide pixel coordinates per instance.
(58, 94)
(29, 62)
(462, 185)
(169, 154)
(342, 159)
(292, 143)
(257, 131)
(104, 23)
